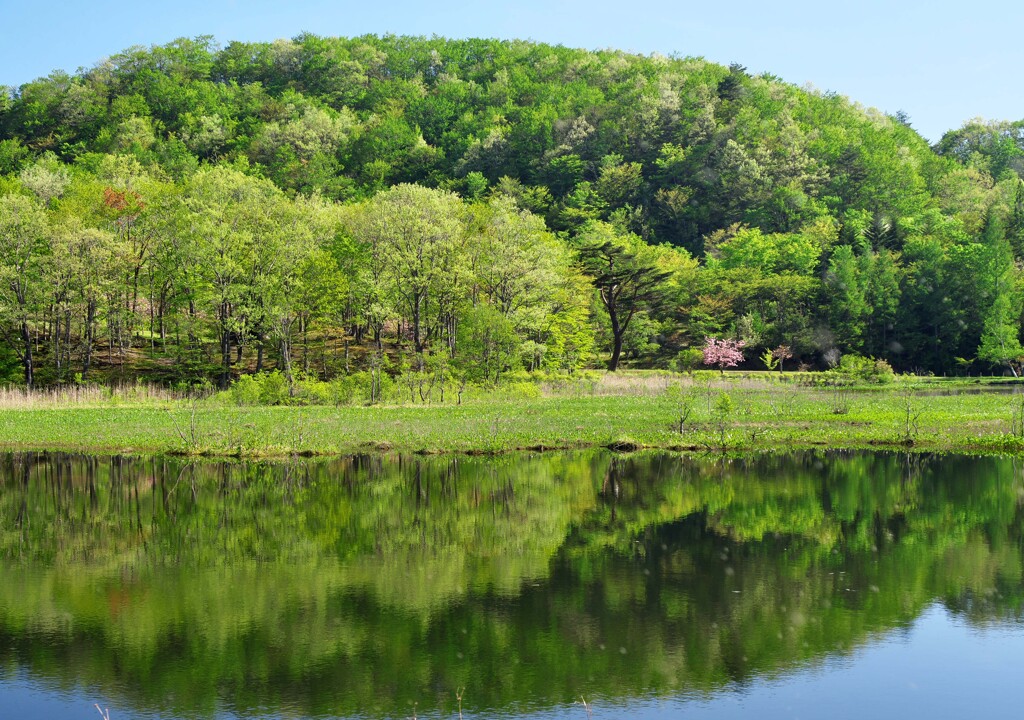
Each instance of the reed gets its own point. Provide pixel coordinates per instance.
(18, 398)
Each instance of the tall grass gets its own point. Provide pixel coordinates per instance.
(21, 398)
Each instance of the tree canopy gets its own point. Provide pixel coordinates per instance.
(196, 211)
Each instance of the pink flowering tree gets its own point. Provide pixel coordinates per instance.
(723, 353)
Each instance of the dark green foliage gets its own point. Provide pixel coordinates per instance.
(627, 277)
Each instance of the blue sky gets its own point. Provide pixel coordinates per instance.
(940, 63)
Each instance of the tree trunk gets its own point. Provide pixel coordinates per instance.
(225, 347)
(90, 321)
(26, 337)
(416, 340)
(286, 354)
(303, 326)
(55, 331)
(152, 315)
(617, 333)
(613, 363)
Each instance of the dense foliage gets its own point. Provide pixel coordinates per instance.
(476, 207)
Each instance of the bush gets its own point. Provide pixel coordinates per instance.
(244, 391)
(687, 360)
(261, 389)
(865, 369)
(345, 389)
(271, 388)
(353, 389)
(310, 391)
(522, 390)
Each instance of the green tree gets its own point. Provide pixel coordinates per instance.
(1000, 336)
(417, 232)
(233, 223)
(24, 248)
(848, 307)
(626, 275)
(488, 344)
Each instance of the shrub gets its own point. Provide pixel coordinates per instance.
(273, 388)
(245, 391)
(865, 369)
(267, 388)
(688, 360)
(309, 391)
(343, 390)
(522, 390)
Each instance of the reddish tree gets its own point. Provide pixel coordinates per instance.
(782, 353)
(723, 353)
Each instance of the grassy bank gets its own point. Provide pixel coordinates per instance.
(623, 411)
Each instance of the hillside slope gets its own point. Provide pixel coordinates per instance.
(818, 225)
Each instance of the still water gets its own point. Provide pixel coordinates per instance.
(651, 586)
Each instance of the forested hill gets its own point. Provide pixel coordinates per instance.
(582, 203)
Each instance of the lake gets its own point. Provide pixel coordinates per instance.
(806, 585)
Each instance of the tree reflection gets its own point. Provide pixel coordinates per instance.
(361, 585)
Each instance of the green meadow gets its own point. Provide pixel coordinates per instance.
(625, 411)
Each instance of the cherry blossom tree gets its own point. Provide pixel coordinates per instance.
(723, 353)
(781, 354)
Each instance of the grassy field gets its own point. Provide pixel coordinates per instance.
(625, 411)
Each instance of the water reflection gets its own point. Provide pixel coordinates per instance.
(363, 586)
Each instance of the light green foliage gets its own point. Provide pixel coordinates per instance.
(619, 183)
(260, 389)
(24, 250)
(46, 179)
(689, 360)
(1000, 337)
(308, 564)
(865, 369)
(1000, 341)
(772, 253)
(847, 298)
(525, 273)
(415, 234)
(487, 344)
(993, 147)
(302, 152)
(287, 203)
